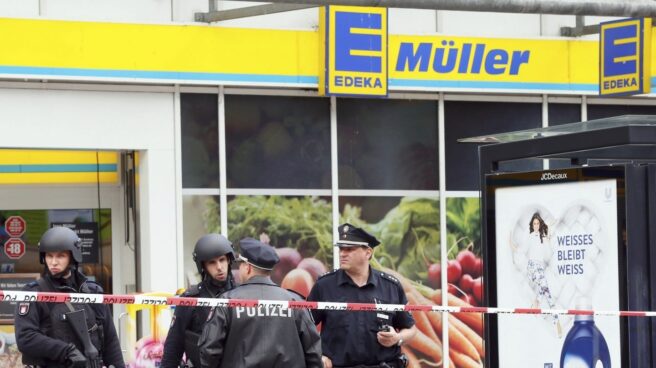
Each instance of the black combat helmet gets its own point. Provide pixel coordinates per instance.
(60, 239)
(210, 246)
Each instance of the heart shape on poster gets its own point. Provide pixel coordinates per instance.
(557, 258)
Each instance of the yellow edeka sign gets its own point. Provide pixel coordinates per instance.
(355, 51)
(624, 57)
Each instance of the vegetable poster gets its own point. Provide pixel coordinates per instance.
(298, 227)
(301, 230)
(557, 248)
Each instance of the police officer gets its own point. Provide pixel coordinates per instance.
(362, 339)
(264, 336)
(213, 255)
(43, 334)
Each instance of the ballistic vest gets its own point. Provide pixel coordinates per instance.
(59, 328)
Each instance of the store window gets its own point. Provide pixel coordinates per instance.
(464, 250)
(278, 142)
(407, 227)
(200, 140)
(21, 250)
(387, 144)
(607, 111)
(564, 113)
(468, 119)
(201, 216)
(300, 228)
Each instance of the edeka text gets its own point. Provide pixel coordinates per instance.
(358, 82)
(448, 57)
(620, 83)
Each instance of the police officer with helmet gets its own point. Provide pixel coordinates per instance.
(361, 339)
(46, 332)
(213, 256)
(269, 336)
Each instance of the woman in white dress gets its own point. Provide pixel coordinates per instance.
(535, 269)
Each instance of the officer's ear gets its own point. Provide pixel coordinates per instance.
(370, 252)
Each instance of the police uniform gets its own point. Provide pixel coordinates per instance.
(349, 338)
(44, 337)
(187, 323)
(266, 336)
(189, 319)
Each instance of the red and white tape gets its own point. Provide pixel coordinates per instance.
(30, 296)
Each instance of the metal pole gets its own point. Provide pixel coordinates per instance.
(641, 8)
(249, 11)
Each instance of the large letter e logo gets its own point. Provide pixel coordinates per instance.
(620, 51)
(353, 49)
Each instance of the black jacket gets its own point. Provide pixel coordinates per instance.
(262, 337)
(34, 325)
(188, 318)
(350, 338)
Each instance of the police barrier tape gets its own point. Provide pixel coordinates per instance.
(49, 297)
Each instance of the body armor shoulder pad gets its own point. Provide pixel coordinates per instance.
(193, 290)
(94, 287)
(31, 285)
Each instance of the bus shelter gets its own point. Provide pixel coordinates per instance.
(578, 234)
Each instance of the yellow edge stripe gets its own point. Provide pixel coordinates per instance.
(26, 157)
(367, 31)
(626, 40)
(366, 53)
(647, 63)
(58, 178)
(626, 58)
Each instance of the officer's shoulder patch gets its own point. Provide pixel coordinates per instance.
(23, 309)
(389, 277)
(328, 273)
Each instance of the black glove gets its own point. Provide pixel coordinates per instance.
(74, 358)
(403, 360)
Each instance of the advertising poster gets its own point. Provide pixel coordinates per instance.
(557, 248)
(298, 227)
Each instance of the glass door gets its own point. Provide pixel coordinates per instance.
(80, 190)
